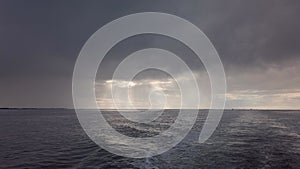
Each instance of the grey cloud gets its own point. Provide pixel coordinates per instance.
(258, 42)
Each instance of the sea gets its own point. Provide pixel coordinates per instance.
(54, 138)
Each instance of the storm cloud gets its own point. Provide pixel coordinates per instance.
(258, 43)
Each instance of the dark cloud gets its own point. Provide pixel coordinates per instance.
(40, 41)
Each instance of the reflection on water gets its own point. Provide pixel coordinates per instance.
(53, 138)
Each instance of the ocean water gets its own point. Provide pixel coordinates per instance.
(53, 138)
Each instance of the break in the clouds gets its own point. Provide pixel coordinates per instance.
(258, 43)
(138, 94)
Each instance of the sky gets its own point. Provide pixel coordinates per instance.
(258, 43)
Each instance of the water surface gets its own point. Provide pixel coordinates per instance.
(53, 138)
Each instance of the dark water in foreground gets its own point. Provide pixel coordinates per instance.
(48, 138)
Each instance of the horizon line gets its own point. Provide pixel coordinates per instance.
(274, 109)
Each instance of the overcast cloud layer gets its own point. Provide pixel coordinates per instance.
(258, 43)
